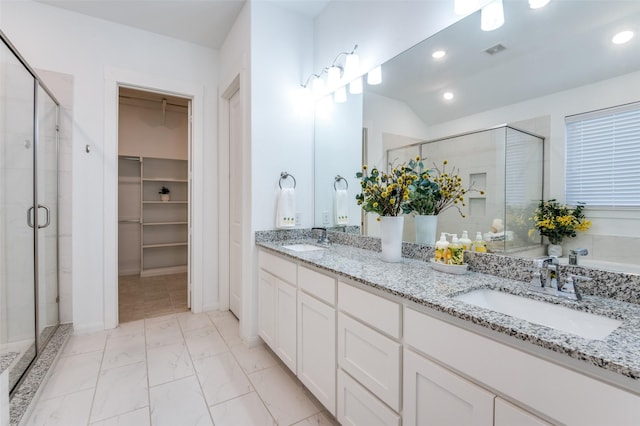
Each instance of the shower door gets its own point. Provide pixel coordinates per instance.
(17, 216)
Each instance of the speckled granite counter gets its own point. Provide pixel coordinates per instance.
(416, 281)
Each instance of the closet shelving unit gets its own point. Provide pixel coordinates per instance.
(164, 246)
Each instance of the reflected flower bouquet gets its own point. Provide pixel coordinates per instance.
(556, 221)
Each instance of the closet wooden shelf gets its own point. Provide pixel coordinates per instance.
(160, 179)
(164, 245)
(164, 223)
(165, 202)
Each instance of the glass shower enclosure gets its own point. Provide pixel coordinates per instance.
(28, 214)
(507, 165)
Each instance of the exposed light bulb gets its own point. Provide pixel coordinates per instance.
(622, 37)
(375, 76)
(492, 16)
(448, 96)
(355, 87)
(537, 4)
(351, 66)
(317, 87)
(333, 78)
(340, 95)
(438, 54)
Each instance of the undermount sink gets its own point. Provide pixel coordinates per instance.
(583, 324)
(303, 247)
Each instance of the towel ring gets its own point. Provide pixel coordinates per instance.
(338, 179)
(284, 176)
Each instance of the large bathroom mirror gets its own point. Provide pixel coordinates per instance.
(540, 67)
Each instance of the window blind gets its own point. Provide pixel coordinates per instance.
(603, 157)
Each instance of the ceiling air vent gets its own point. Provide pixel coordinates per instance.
(495, 49)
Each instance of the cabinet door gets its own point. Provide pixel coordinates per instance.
(358, 407)
(435, 396)
(371, 358)
(266, 308)
(507, 414)
(317, 349)
(285, 318)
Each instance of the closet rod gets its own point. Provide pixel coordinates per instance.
(152, 100)
(130, 158)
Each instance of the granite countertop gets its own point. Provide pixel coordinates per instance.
(416, 281)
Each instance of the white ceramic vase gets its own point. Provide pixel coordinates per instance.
(391, 237)
(426, 229)
(165, 198)
(554, 250)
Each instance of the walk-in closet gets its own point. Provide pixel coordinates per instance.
(153, 204)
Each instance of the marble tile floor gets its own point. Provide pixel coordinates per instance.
(177, 369)
(149, 297)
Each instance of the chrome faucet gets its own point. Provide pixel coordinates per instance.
(574, 254)
(546, 276)
(546, 272)
(323, 239)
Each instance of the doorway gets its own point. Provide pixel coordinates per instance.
(154, 195)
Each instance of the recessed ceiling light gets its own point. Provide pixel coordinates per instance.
(438, 54)
(537, 4)
(448, 96)
(622, 37)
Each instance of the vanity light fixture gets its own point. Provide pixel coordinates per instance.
(333, 76)
(492, 16)
(355, 87)
(448, 96)
(375, 76)
(537, 4)
(622, 37)
(336, 74)
(340, 95)
(438, 54)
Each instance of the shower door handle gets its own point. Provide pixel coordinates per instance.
(29, 216)
(46, 209)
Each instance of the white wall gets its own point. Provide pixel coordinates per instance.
(85, 48)
(281, 129)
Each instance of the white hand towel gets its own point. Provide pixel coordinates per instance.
(342, 207)
(286, 208)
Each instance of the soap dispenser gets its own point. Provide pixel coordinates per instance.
(456, 251)
(478, 244)
(465, 241)
(442, 248)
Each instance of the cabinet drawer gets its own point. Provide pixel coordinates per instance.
(277, 266)
(376, 311)
(371, 358)
(316, 284)
(358, 407)
(507, 414)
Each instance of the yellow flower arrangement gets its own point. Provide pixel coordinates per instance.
(556, 221)
(384, 193)
(451, 192)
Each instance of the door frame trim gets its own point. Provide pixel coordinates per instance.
(113, 79)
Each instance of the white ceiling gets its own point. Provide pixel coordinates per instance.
(203, 22)
(565, 45)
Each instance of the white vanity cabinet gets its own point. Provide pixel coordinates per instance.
(317, 335)
(277, 307)
(369, 357)
(554, 392)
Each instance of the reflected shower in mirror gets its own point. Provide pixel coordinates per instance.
(530, 74)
